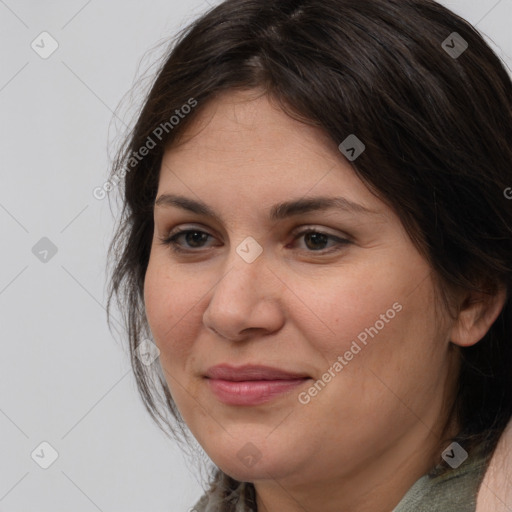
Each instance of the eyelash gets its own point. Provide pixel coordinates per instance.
(171, 240)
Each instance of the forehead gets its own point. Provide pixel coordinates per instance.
(242, 145)
(240, 123)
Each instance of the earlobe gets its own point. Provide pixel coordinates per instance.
(477, 313)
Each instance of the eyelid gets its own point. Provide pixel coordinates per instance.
(167, 240)
(320, 229)
(171, 236)
(180, 228)
(299, 230)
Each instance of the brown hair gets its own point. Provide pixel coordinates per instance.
(438, 134)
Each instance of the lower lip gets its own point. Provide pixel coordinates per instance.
(251, 392)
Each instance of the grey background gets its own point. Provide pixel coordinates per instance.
(64, 378)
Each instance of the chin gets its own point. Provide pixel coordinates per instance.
(260, 471)
(252, 461)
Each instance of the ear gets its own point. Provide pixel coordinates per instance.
(477, 313)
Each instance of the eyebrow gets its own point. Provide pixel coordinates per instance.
(277, 212)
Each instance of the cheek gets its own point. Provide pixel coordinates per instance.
(349, 307)
(171, 310)
(174, 316)
(391, 367)
(386, 322)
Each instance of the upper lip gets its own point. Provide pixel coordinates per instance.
(251, 372)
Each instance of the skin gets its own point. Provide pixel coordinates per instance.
(495, 493)
(376, 427)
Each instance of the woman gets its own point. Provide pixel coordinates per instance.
(316, 236)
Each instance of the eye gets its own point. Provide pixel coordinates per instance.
(316, 241)
(193, 239)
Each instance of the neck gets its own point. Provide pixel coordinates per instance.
(377, 485)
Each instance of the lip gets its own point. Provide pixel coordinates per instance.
(251, 384)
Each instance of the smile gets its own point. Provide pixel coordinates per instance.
(251, 385)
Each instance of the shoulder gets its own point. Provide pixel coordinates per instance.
(453, 488)
(495, 493)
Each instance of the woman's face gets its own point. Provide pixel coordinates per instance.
(298, 339)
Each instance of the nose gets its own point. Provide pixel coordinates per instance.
(246, 301)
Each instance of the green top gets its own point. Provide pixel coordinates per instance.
(441, 490)
(453, 490)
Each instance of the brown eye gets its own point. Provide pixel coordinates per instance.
(195, 238)
(186, 240)
(316, 241)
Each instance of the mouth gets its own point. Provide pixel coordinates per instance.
(251, 385)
